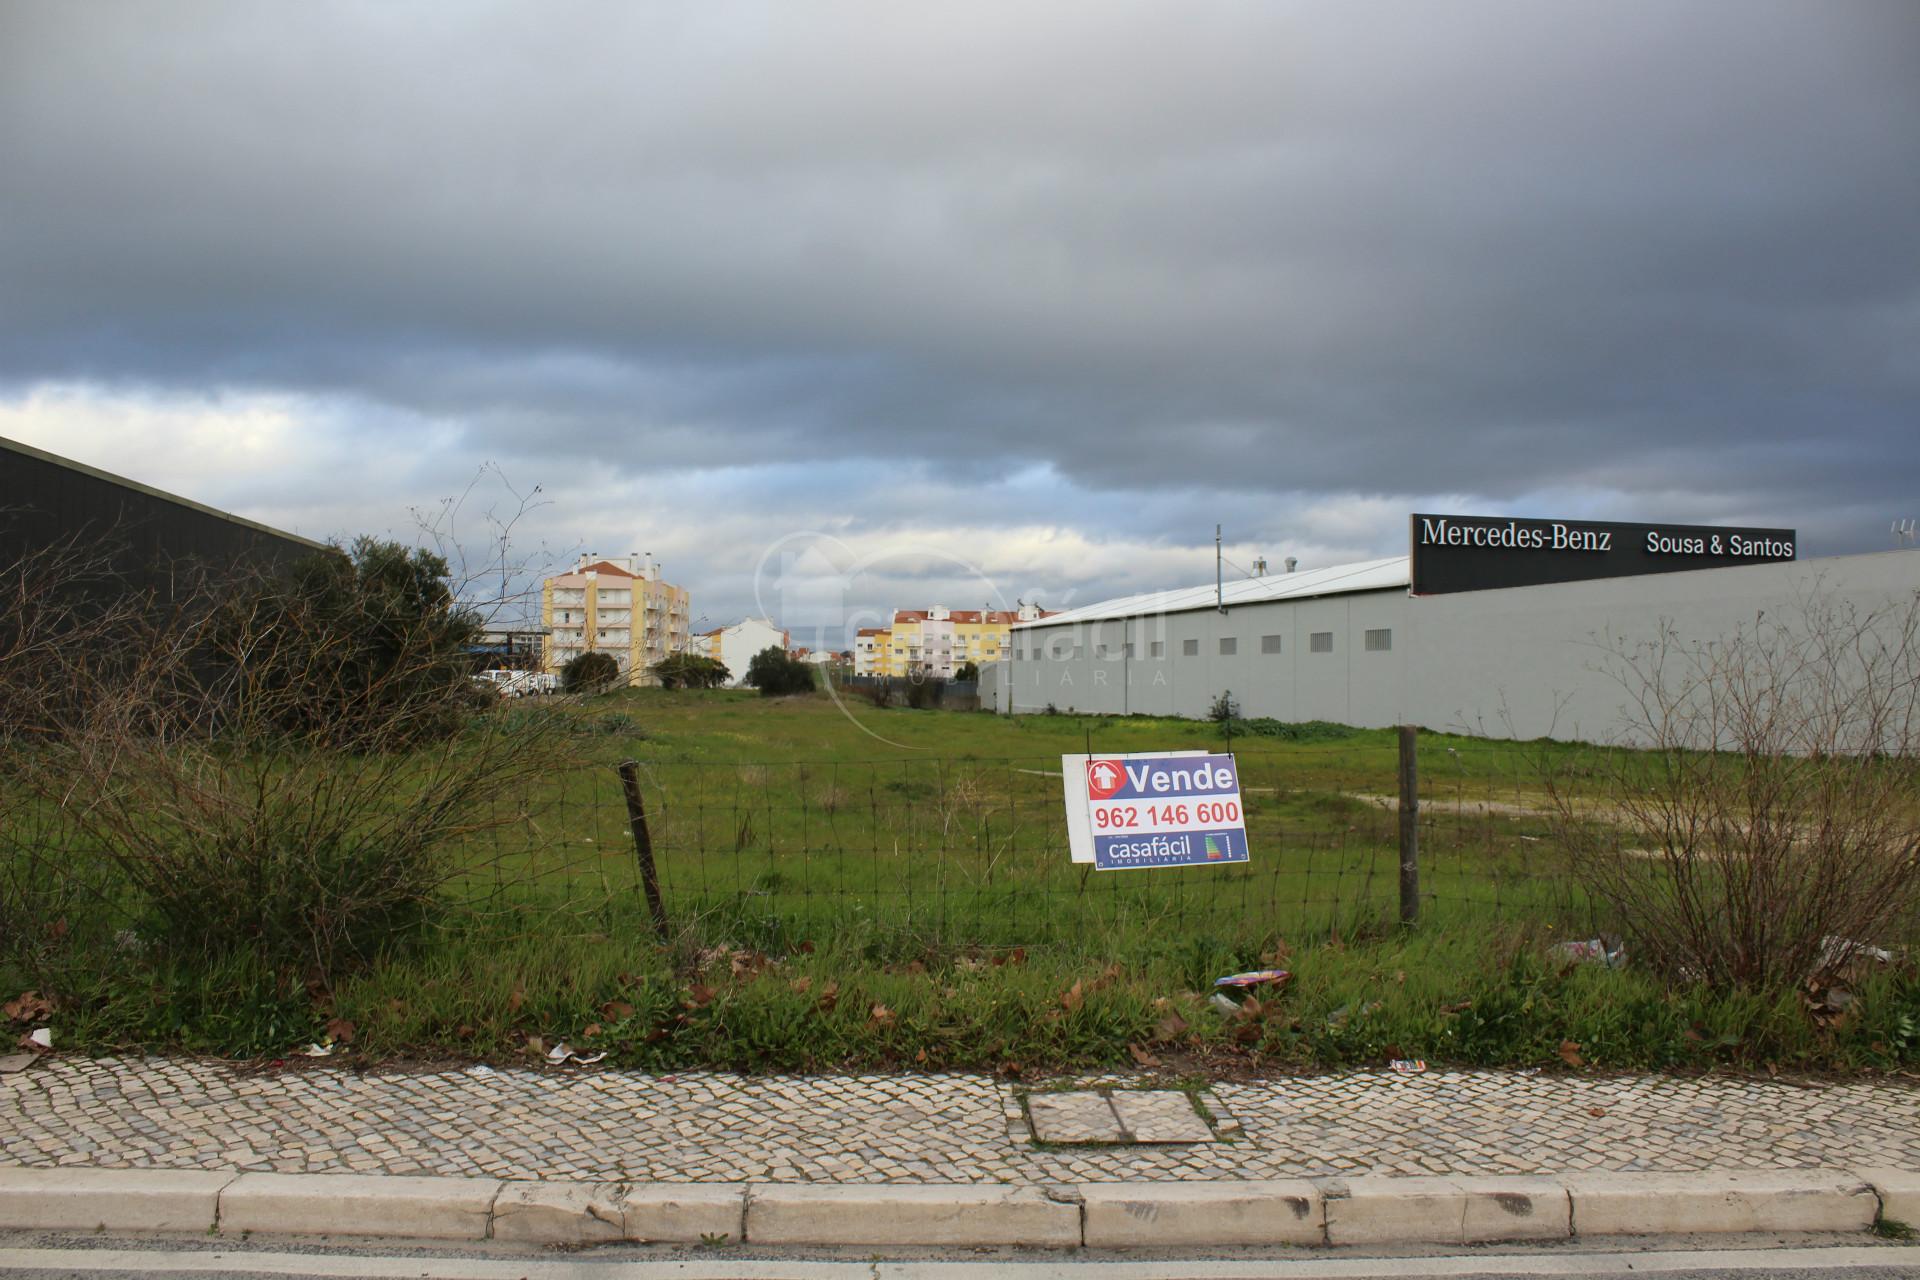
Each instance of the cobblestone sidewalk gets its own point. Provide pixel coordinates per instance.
(711, 1127)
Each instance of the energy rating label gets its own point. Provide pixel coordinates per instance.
(1157, 809)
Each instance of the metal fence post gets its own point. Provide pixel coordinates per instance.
(643, 846)
(1409, 825)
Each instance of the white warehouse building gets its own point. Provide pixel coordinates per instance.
(1486, 627)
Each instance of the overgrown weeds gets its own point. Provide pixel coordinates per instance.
(1772, 831)
(271, 767)
(1452, 1000)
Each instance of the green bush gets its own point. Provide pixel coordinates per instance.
(363, 648)
(925, 693)
(1292, 731)
(589, 673)
(689, 671)
(776, 673)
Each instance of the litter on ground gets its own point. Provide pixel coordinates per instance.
(1252, 978)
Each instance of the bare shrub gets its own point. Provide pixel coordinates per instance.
(1771, 828)
(288, 765)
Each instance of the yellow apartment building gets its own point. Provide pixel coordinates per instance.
(938, 641)
(617, 606)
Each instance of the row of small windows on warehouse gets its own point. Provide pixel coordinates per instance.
(1377, 640)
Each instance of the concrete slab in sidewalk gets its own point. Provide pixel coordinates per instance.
(117, 1199)
(1179, 1214)
(1747, 1200)
(922, 1215)
(359, 1204)
(1081, 1116)
(1159, 1115)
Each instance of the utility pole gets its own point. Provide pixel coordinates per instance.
(1219, 571)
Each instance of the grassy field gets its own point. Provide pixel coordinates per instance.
(777, 820)
(852, 887)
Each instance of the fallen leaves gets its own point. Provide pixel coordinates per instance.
(1827, 1001)
(1142, 1056)
(28, 1006)
(1570, 1054)
(1076, 995)
(340, 1031)
(748, 964)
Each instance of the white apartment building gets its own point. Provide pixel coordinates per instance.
(733, 647)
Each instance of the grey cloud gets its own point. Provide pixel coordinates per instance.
(1491, 248)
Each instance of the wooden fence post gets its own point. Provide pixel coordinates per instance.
(643, 847)
(1409, 825)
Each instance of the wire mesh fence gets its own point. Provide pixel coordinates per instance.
(974, 853)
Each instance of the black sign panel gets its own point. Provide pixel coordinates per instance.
(1479, 553)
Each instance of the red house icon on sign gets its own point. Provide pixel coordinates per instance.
(1104, 777)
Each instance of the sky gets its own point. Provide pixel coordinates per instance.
(834, 308)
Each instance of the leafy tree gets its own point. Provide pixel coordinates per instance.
(968, 671)
(775, 673)
(363, 648)
(690, 671)
(589, 673)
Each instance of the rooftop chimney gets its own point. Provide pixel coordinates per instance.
(1292, 564)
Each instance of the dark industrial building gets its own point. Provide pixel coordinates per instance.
(150, 540)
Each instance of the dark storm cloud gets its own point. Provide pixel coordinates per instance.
(1498, 249)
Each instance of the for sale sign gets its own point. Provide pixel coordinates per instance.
(1158, 809)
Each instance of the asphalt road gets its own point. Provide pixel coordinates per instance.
(95, 1257)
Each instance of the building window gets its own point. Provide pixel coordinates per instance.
(1379, 640)
(1269, 644)
(1190, 648)
(1320, 642)
(1126, 650)
(1158, 649)
(1229, 645)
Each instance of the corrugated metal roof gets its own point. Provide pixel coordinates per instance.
(1334, 580)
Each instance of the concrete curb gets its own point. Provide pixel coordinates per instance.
(1320, 1211)
(936, 1215)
